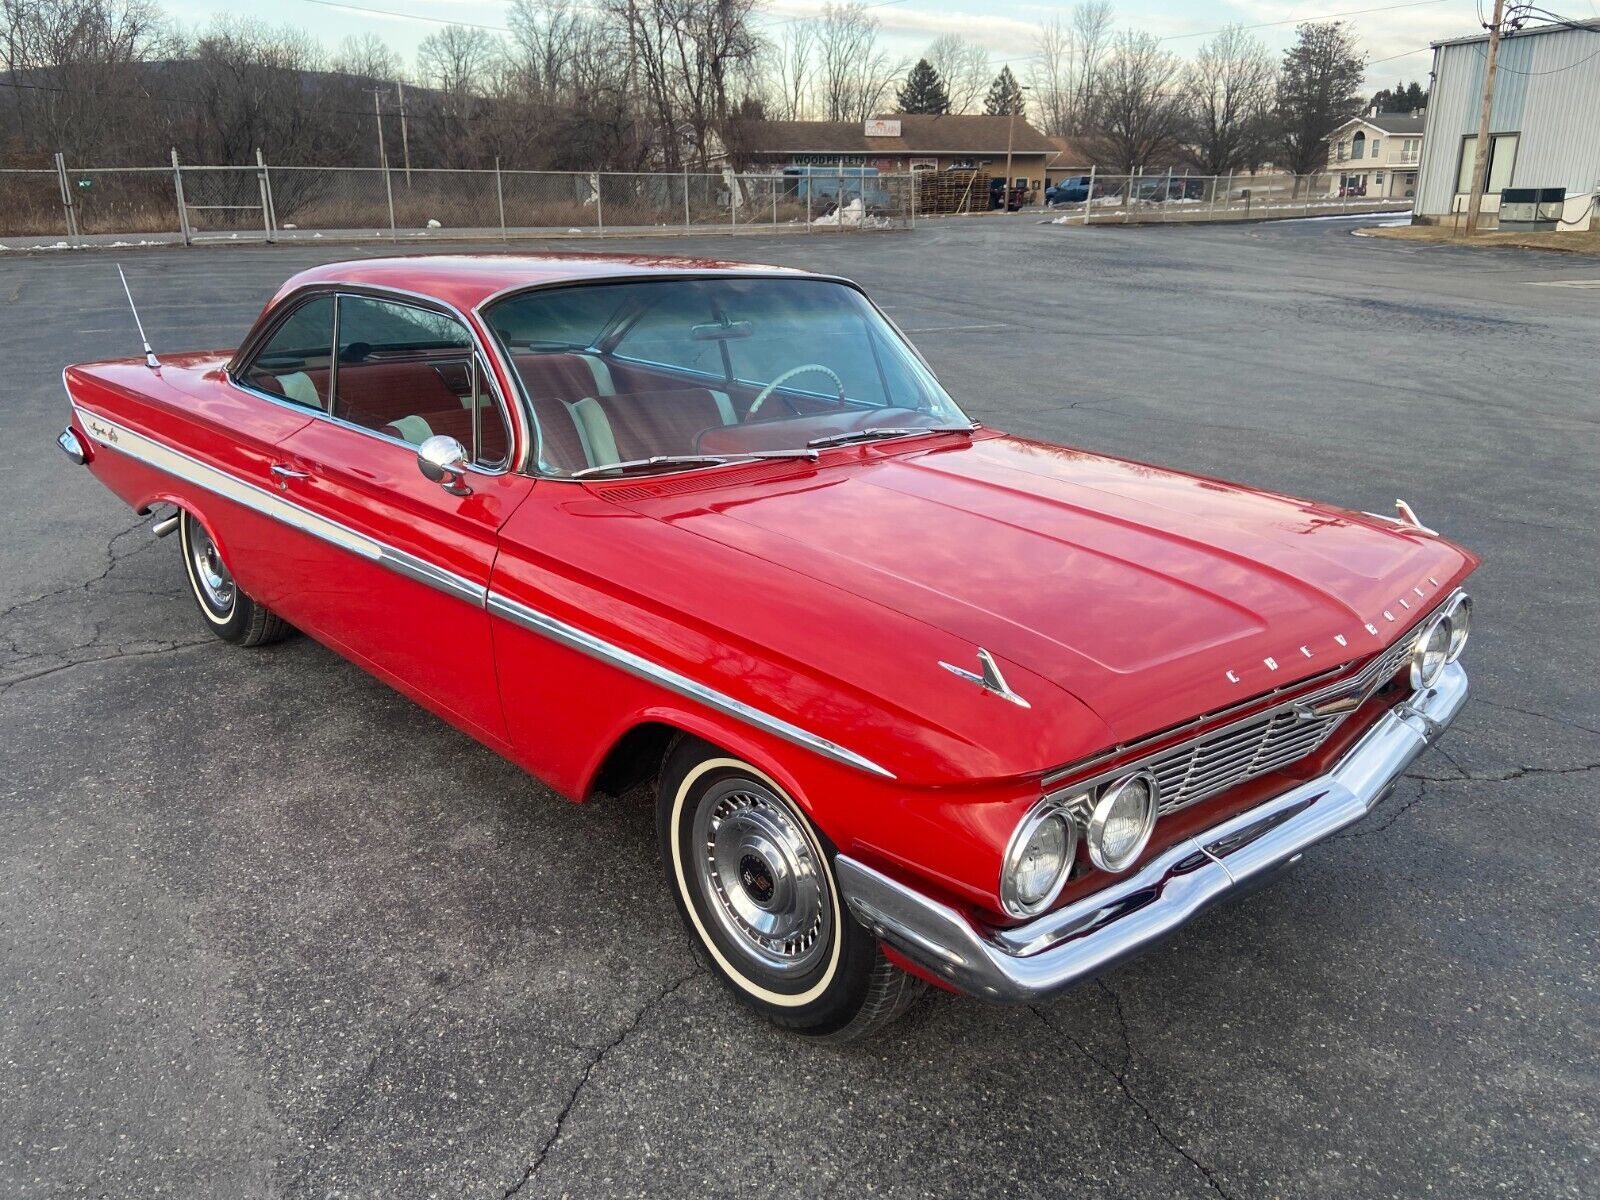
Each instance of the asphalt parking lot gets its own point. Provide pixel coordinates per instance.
(267, 929)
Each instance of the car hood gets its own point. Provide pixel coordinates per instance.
(1150, 595)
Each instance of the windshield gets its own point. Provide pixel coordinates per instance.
(700, 371)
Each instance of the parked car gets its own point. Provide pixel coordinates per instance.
(922, 702)
(1160, 188)
(1074, 189)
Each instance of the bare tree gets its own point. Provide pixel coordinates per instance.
(788, 71)
(254, 86)
(856, 74)
(367, 56)
(963, 67)
(1066, 70)
(72, 71)
(1228, 91)
(1137, 109)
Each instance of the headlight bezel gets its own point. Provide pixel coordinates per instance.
(1022, 837)
(1459, 614)
(1101, 813)
(1421, 678)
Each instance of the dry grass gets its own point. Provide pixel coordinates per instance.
(1574, 242)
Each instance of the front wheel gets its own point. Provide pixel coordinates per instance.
(754, 882)
(229, 613)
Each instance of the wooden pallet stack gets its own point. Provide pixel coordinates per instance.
(952, 192)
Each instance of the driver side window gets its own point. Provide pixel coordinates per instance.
(411, 373)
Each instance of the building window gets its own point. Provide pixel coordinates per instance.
(1378, 179)
(1357, 145)
(1410, 150)
(1377, 144)
(1502, 157)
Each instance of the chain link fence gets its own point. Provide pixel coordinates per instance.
(197, 203)
(1145, 199)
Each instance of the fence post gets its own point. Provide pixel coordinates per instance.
(1227, 199)
(67, 203)
(267, 221)
(183, 205)
(733, 213)
(388, 191)
(1308, 197)
(687, 223)
(599, 205)
(1088, 200)
(772, 187)
(500, 199)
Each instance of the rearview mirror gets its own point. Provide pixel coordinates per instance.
(444, 460)
(721, 331)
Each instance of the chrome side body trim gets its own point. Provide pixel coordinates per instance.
(587, 643)
(1090, 935)
(118, 437)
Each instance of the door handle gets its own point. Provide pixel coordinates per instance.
(284, 473)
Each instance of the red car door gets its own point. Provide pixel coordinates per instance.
(404, 593)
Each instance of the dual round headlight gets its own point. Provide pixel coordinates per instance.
(1120, 818)
(1441, 642)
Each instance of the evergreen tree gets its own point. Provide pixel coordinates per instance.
(1316, 91)
(924, 91)
(1005, 95)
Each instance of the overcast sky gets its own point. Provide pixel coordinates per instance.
(1395, 36)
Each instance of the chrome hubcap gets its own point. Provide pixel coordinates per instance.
(213, 577)
(760, 876)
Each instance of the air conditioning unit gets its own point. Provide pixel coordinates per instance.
(1531, 208)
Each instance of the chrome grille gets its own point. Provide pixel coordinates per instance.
(1224, 758)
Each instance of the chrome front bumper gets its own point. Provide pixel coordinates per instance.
(1078, 941)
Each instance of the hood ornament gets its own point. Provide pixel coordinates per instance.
(990, 680)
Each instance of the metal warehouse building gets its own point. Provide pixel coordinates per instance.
(1544, 127)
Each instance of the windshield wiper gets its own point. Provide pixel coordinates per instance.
(635, 466)
(885, 431)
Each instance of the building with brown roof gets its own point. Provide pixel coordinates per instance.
(894, 144)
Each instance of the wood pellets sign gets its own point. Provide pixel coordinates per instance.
(883, 129)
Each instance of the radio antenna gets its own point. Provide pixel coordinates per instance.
(150, 359)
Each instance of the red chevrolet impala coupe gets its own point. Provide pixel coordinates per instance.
(923, 702)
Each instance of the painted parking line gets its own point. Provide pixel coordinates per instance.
(1571, 283)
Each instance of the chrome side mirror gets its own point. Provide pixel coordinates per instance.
(444, 460)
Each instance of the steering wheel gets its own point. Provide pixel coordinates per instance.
(755, 405)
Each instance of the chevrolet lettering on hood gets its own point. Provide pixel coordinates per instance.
(921, 701)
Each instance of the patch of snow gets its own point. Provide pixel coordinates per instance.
(288, 225)
(316, 235)
(853, 214)
(432, 224)
(574, 229)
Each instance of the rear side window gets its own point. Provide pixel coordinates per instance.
(295, 363)
(411, 373)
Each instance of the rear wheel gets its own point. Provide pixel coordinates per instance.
(754, 883)
(229, 613)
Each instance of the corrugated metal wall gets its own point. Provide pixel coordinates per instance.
(1547, 90)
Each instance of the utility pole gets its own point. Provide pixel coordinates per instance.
(405, 140)
(1480, 156)
(377, 109)
(1011, 127)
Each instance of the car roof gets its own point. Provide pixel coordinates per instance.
(466, 280)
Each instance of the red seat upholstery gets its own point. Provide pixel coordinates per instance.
(667, 422)
(375, 393)
(457, 423)
(553, 381)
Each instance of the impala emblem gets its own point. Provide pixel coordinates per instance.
(990, 679)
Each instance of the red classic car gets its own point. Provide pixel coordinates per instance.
(924, 702)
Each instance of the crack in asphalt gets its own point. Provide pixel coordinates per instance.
(589, 1069)
(1529, 712)
(1119, 1075)
(7, 684)
(112, 561)
(1465, 777)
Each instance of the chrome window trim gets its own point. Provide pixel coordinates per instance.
(162, 457)
(513, 414)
